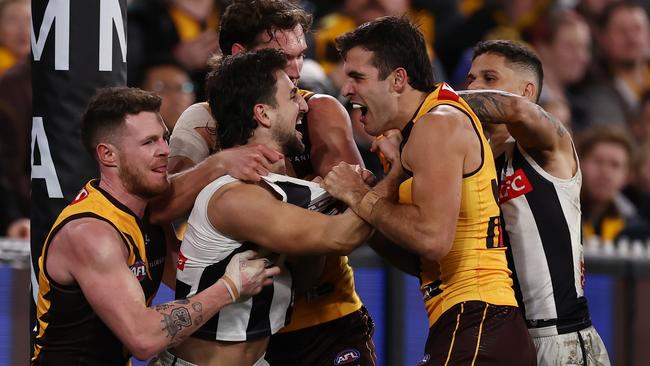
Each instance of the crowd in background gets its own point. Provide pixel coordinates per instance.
(596, 80)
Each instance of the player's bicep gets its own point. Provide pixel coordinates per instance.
(250, 213)
(100, 269)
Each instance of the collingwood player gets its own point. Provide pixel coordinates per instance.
(539, 195)
(258, 105)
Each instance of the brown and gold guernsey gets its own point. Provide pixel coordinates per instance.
(69, 331)
(333, 296)
(475, 268)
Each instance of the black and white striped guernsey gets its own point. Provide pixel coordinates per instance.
(205, 253)
(541, 216)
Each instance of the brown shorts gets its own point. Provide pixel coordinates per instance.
(344, 341)
(477, 333)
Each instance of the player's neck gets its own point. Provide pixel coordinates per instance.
(116, 188)
(409, 103)
(278, 167)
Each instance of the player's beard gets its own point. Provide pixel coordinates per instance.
(134, 182)
(290, 142)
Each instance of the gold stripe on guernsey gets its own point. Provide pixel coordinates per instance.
(334, 295)
(89, 203)
(480, 333)
(475, 268)
(453, 336)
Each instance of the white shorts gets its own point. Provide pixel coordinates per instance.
(165, 358)
(567, 349)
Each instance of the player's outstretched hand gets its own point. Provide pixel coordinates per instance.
(246, 275)
(249, 163)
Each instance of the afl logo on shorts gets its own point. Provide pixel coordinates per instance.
(139, 270)
(347, 356)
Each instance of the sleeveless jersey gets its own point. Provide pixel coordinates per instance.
(69, 331)
(475, 268)
(205, 253)
(542, 225)
(334, 295)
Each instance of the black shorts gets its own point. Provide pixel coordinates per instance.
(344, 341)
(477, 333)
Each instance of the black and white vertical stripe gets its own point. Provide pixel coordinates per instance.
(543, 229)
(208, 252)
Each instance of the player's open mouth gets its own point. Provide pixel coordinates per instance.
(362, 107)
(161, 169)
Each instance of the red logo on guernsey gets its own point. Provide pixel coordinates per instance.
(139, 270)
(447, 93)
(181, 261)
(80, 196)
(513, 186)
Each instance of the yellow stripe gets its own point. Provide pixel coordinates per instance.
(480, 332)
(453, 337)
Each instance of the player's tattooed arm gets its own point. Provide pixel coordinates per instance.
(178, 315)
(527, 122)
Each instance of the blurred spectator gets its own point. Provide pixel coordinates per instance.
(482, 20)
(591, 10)
(605, 157)
(354, 13)
(640, 126)
(624, 42)
(638, 191)
(563, 42)
(14, 32)
(175, 88)
(15, 124)
(182, 30)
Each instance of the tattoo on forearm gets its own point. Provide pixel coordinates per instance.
(559, 127)
(490, 107)
(178, 318)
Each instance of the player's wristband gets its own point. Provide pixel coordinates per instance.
(367, 204)
(231, 287)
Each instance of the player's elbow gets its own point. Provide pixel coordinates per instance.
(435, 248)
(142, 347)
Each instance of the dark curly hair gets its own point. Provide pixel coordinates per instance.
(244, 20)
(235, 86)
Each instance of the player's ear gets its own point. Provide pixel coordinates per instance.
(400, 79)
(530, 91)
(262, 114)
(106, 154)
(237, 48)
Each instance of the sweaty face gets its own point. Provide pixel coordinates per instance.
(375, 98)
(289, 109)
(292, 43)
(604, 171)
(142, 155)
(490, 71)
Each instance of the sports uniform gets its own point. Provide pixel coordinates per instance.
(468, 294)
(542, 220)
(69, 330)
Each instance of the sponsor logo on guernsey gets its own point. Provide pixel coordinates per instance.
(181, 261)
(346, 357)
(513, 186)
(80, 196)
(447, 93)
(139, 270)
